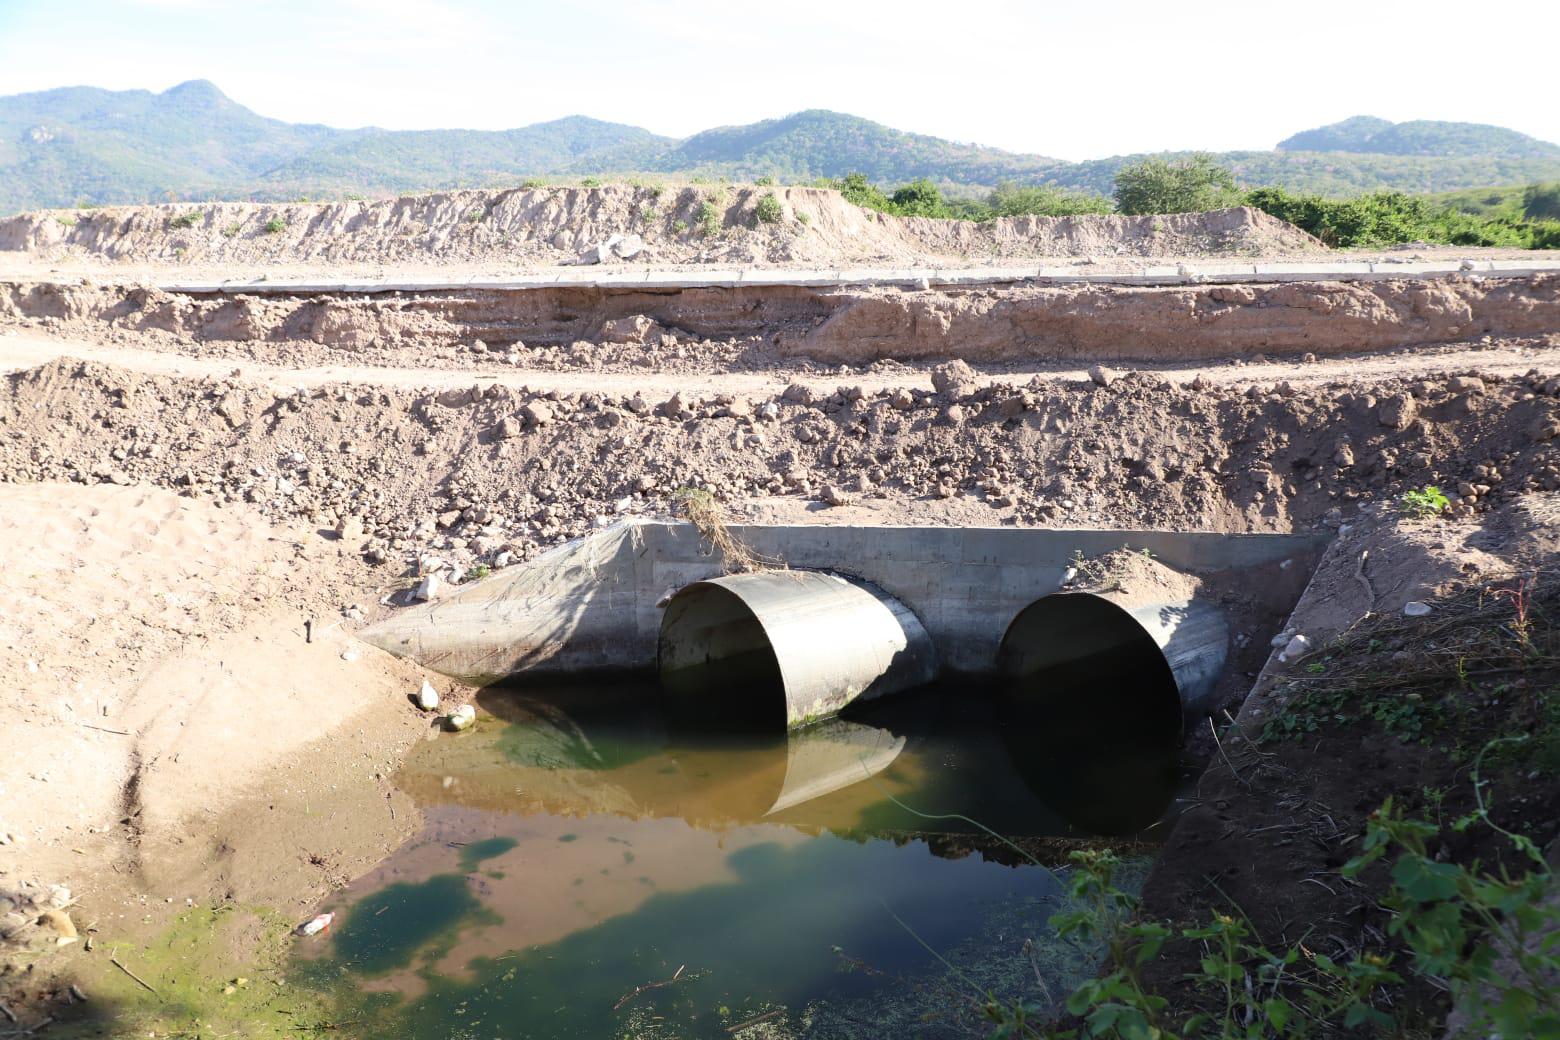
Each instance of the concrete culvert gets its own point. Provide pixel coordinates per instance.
(1094, 696)
(788, 647)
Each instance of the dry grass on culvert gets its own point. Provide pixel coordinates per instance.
(704, 512)
(1489, 628)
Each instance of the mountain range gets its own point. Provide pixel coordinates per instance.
(88, 146)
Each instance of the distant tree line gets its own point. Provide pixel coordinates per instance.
(1526, 220)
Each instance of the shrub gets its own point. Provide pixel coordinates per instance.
(1191, 185)
(532, 182)
(274, 225)
(919, 198)
(232, 230)
(709, 218)
(764, 182)
(1012, 200)
(1386, 218)
(184, 220)
(769, 210)
(1541, 201)
(590, 182)
(1424, 502)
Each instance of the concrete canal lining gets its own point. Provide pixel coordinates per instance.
(811, 640)
(595, 604)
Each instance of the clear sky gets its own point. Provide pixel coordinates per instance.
(1075, 80)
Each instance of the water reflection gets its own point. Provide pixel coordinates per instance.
(583, 842)
(1017, 767)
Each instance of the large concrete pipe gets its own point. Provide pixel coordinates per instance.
(1174, 649)
(801, 643)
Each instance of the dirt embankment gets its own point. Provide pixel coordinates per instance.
(1011, 325)
(1389, 703)
(551, 226)
(471, 474)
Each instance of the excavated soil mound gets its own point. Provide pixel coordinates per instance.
(551, 226)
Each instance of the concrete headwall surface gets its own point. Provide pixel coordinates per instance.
(595, 604)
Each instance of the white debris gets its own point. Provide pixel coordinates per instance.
(316, 925)
(1416, 608)
(427, 697)
(427, 589)
(350, 654)
(461, 718)
(1283, 638)
(1297, 646)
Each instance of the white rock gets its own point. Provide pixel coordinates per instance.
(628, 246)
(349, 654)
(1297, 646)
(461, 718)
(1282, 639)
(1416, 608)
(427, 589)
(427, 697)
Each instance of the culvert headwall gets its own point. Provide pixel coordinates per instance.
(597, 604)
(807, 642)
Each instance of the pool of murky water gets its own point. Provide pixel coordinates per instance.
(594, 865)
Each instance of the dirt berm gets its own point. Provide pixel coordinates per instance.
(551, 226)
(853, 326)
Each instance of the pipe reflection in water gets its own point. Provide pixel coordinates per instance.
(943, 750)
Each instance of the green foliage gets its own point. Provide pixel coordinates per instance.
(184, 220)
(232, 230)
(764, 182)
(532, 182)
(1012, 200)
(1390, 218)
(919, 198)
(1422, 503)
(590, 182)
(274, 226)
(1408, 717)
(1479, 935)
(474, 215)
(65, 221)
(1191, 185)
(709, 218)
(1541, 201)
(768, 210)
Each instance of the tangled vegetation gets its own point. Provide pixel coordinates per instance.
(1517, 218)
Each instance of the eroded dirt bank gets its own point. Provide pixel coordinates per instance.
(547, 226)
(769, 325)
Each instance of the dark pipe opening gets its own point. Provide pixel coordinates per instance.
(1093, 703)
(719, 672)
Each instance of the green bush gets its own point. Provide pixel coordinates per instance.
(709, 218)
(769, 210)
(274, 225)
(1421, 503)
(184, 220)
(1541, 201)
(1386, 218)
(919, 198)
(1191, 185)
(1012, 200)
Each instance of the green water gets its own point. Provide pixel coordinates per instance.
(591, 867)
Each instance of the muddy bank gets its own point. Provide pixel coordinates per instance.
(548, 226)
(1389, 703)
(638, 328)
